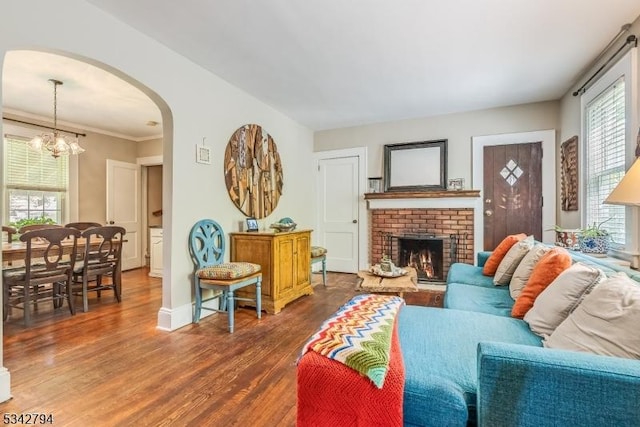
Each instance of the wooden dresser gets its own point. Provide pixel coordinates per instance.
(285, 259)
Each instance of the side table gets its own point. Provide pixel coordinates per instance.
(398, 285)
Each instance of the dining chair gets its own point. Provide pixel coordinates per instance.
(98, 263)
(10, 231)
(46, 275)
(206, 247)
(32, 227)
(83, 225)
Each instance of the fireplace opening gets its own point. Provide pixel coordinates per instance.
(425, 254)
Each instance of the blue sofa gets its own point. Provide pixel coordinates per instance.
(472, 364)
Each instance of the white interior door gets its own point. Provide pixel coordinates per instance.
(338, 222)
(123, 208)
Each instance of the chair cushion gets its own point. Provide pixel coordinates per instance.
(228, 270)
(317, 251)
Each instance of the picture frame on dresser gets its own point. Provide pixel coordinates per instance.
(252, 224)
(415, 166)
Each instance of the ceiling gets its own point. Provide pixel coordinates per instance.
(89, 98)
(330, 64)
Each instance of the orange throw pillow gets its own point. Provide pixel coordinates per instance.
(491, 266)
(546, 270)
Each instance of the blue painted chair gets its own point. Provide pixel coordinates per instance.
(206, 247)
(319, 254)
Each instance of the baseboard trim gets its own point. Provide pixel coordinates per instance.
(172, 319)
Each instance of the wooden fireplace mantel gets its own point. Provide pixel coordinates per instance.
(422, 194)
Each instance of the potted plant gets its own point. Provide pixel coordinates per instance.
(30, 221)
(594, 239)
(566, 237)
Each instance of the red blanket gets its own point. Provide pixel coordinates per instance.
(332, 394)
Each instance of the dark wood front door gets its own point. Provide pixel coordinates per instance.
(512, 191)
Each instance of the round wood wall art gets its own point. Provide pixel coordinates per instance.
(253, 171)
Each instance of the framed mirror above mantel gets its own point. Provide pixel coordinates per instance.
(415, 166)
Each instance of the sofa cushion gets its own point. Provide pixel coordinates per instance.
(439, 347)
(546, 270)
(511, 261)
(605, 323)
(493, 300)
(561, 297)
(525, 268)
(469, 275)
(490, 267)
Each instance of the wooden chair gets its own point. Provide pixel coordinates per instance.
(206, 247)
(47, 274)
(319, 254)
(32, 227)
(10, 231)
(83, 225)
(105, 261)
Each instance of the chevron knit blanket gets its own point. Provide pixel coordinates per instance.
(359, 335)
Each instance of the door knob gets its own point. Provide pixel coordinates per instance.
(355, 221)
(111, 222)
(488, 212)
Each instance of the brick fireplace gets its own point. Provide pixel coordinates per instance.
(449, 230)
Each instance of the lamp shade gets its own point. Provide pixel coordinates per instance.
(628, 190)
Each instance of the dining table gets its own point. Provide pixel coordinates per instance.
(17, 250)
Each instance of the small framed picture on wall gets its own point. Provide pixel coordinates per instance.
(203, 154)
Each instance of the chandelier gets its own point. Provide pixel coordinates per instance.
(57, 144)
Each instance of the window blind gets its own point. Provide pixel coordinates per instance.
(27, 169)
(35, 183)
(605, 158)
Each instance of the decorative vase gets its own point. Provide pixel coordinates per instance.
(567, 238)
(598, 245)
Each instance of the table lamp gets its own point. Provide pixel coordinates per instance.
(627, 192)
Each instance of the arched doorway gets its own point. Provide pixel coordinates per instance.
(89, 84)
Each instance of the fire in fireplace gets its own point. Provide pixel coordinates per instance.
(425, 254)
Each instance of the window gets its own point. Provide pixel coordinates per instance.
(605, 153)
(36, 184)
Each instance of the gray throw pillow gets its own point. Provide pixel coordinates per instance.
(605, 323)
(561, 297)
(511, 260)
(525, 268)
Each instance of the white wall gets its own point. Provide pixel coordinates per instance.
(457, 128)
(570, 120)
(194, 103)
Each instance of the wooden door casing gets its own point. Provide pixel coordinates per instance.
(512, 194)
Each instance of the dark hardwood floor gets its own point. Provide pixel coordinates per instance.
(111, 366)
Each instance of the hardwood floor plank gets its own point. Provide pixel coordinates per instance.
(111, 366)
